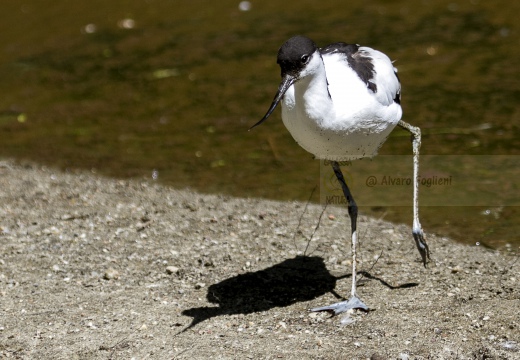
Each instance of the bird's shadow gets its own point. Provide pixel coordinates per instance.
(302, 278)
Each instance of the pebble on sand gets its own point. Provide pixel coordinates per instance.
(172, 270)
(111, 273)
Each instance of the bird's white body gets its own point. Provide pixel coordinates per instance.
(353, 121)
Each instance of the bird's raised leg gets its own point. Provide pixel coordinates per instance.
(417, 231)
(353, 302)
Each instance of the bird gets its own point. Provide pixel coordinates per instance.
(340, 102)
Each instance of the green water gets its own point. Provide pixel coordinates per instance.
(136, 88)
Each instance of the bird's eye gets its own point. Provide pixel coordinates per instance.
(305, 58)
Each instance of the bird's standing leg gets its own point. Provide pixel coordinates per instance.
(417, 231)
(353, 302)
(352, 212)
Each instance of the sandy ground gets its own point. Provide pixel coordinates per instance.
(96, 268)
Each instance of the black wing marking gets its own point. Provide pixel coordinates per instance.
(359, 61)
(397, 98)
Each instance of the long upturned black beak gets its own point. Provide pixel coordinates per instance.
(285, 84)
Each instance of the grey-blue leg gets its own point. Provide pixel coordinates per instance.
(353, 302)
(417, 231)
